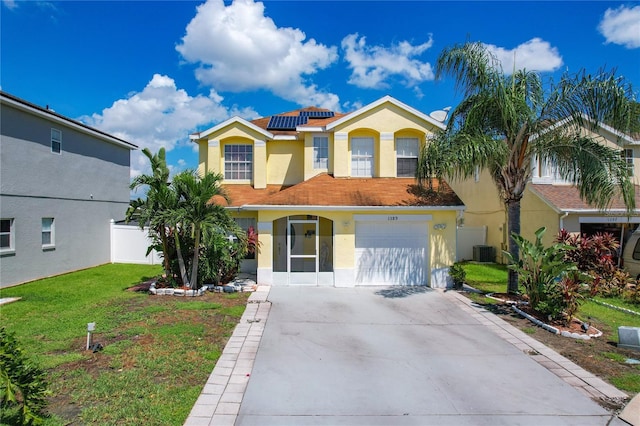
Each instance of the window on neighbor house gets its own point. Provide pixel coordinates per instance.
(245, 223)
(320, 152)
(362, 157)
(48, 232)
(627, 154)
(407, 156)
(56, 141)
(7, 235)
(238, 162)
(542, 168)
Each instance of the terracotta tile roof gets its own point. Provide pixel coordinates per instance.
(325, 190)
(567, 197)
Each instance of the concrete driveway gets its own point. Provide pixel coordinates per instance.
(372, 356)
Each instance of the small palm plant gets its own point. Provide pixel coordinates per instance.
(23, 386)
(552, 283)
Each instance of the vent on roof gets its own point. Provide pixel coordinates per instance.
(286, 122)
(317, 114)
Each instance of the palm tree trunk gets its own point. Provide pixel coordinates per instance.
(183, 269)
(165, 247)
(513, 227)
(196, 256)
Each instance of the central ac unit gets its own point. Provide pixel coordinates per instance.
(483, 254)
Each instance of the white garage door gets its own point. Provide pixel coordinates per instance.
(391, 252)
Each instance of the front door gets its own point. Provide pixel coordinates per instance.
(302, 240)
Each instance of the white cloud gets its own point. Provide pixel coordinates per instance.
(533, 55)
(373, 66)
(161, 115)
(10, 4)
(621, 26)
(239, 49)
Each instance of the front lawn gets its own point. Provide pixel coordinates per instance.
(158, 350)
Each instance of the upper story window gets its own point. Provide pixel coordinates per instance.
(320, 152)
(7, 235)
(56, 141)
(627, 154)
(407, 156)
(362, 157)
(238, 162)
(48, 232)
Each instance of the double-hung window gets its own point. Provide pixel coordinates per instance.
(7, 236)
(362, 157)
(320, 152)
(48, 232)
(407, 156)
(627, 154)
(238, 162)
(56, 141)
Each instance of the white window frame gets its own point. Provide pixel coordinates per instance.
(56, 141)
(321, 152)
(627, 154)
(362, 161)
(242, 149)
(403, 153)
(48, 227)
(12, 236)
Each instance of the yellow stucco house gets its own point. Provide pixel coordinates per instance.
(548, 201)
(333, 196)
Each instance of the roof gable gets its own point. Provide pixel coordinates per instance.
(380, 102)
(238, 121)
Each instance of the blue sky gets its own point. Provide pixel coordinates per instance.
(152, 72)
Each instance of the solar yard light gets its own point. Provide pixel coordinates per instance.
(90, 328)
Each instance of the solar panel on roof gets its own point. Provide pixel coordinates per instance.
(286, 122)
(317, 114)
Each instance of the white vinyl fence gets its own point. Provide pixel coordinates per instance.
(129, 244)
(467, 237)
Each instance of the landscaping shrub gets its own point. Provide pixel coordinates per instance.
(220, 258)
(23, 388)
(552, 283)
(595, 255)
(458, 275)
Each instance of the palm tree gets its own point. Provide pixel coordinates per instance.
(504, 122)
(196, 212)
(158, 198)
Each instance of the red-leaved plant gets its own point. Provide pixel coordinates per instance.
(595, 255)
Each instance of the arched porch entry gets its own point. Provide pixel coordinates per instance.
(303, 251)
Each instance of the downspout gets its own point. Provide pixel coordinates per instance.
(562, 218)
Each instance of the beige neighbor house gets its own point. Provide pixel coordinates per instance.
(333, 196)
(549, 201)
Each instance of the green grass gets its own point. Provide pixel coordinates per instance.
(158, 352)
(629, 382)
(621, 303)
(487, 277)
(611, 317)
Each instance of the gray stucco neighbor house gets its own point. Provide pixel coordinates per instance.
(61, 182)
